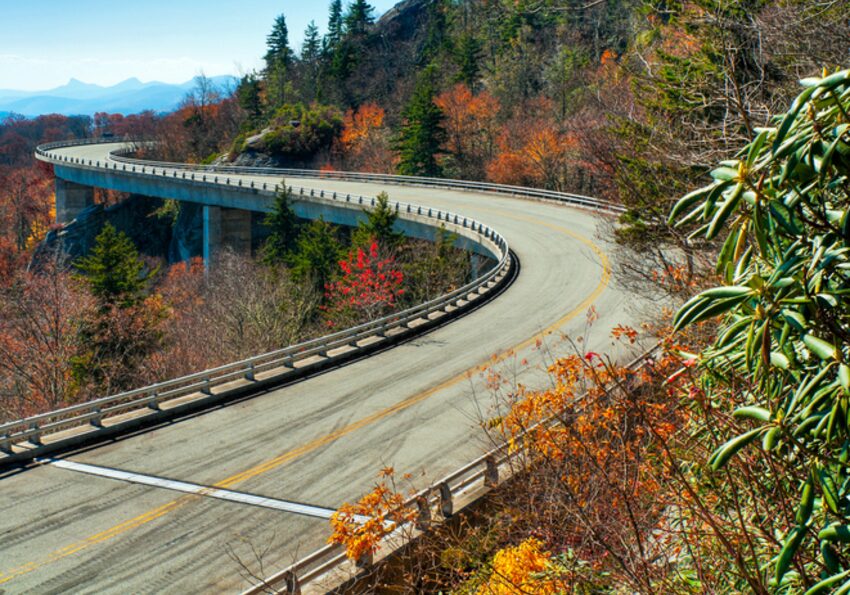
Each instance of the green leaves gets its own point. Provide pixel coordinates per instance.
(783, 345)
(719, 458)
(710, 303)
(821, 348)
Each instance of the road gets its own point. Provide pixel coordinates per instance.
(416, 407)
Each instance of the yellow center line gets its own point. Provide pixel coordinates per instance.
(304, 449)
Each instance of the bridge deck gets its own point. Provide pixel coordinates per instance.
(415, 407)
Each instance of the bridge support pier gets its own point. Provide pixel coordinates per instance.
(71, 199)
(226, 229)
(476, 263)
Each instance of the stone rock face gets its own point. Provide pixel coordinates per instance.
(403, 21)
(152, 235)
(187, 237)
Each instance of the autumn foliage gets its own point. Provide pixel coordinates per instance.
(524, 568)
(364, 143)
(361, 527)
(369, 285)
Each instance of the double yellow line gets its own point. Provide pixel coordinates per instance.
(304, 449)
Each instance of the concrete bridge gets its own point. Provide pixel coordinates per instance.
(158, 510)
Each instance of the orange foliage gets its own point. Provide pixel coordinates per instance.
(541, 161)
(360, 527)
(358, 124)
(522, 569)
(364, 143)
(470, 123)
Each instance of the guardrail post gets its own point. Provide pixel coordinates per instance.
(249, 375)
(6, 444)
(206, 390)
(36, 437)
(288, 363)
(153, 403)
(491, 473)
(446, 504)
(97, 420)
(423, 516)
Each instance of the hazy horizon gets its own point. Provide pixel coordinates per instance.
(48, 43)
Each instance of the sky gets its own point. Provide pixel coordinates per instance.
(44, 43)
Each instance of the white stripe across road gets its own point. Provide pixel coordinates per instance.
(200, 490)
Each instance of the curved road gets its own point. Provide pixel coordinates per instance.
(415, 407)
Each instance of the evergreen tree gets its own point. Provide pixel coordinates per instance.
(358, 18)
(113, 270)
(283, 226)
(250, 99)
(467, 56)
(126, 327)
(311, 49)
(317, 255)
(277, 42)
(279, 60)
(378, 225)
(311, 59)
(421, 134)
(334, 35)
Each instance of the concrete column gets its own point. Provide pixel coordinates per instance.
(476, 261)
(71, 199)
(212, 234)
(226, 228)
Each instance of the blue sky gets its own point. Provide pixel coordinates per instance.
(43, 43)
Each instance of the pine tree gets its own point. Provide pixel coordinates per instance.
(311, 49)
(311, 60)
(113, 270)
(250, 99)
(279, 60)
(378, 225)
(421, 134)
(317, 255)
(358, 18)
(277, 42)
(467, 56)
(283, 226)
(335, 24)
(126, 327)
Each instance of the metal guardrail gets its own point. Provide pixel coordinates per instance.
(93, 413)
(517, 191)
(487, 471)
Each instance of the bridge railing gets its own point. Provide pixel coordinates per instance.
(120, 155)
(471, 480)
(94, 413)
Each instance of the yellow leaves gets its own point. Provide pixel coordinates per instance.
(525, 568)
(360, 527)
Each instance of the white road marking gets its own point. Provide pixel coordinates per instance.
(193, 488)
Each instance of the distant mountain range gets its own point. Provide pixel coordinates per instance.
(79, 98)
